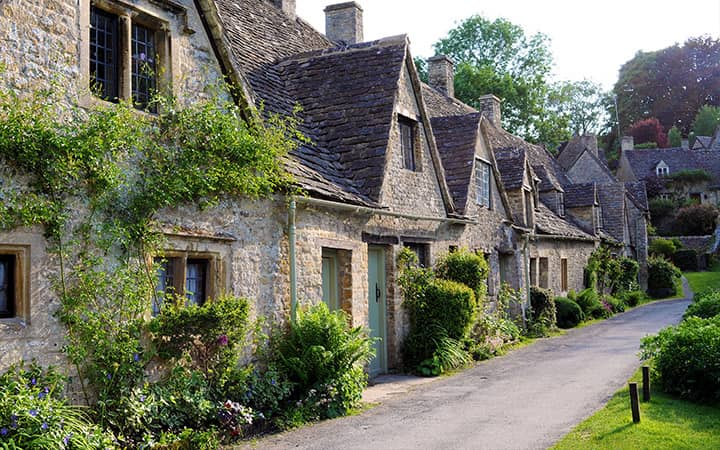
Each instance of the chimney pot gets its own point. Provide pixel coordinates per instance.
(627, 143)
(286, 6)
(440, 74)
(344, 22)
(490, 107)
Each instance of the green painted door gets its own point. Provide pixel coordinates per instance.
(376, 308)
(330, 279)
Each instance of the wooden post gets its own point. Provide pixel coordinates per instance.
(634, 403)
(646, 383)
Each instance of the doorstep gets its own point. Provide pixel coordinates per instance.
(386, 386)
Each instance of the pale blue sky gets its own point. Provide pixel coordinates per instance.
(589, 39)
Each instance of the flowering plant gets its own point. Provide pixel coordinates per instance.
(234, 417)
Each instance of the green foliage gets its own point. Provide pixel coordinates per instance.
(662, 247)
(690, 176)
(494, 328)
(613, 304)
(674, 137)
(543, 313)
(467, 268)
(646, 146)
(704, 306)
(581, 103)
(696, 220)
(633, 298)
(662, 277)
(323, 357)
(706, 120)
(686, 358)
(34, 414)
(686, 259)
(611, 274)
(569, 313)
(589, 301)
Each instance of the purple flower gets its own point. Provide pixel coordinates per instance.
(44, 426)
(3, 431)
(142, 398)
(42, 395)
(33, 412)
(33, 381)
(136, 357)
(46, 390)
(222, 339)
(66, 439)
(272, 382)
(109, 376)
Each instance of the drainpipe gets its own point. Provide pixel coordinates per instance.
(293, 274)
(526, 265)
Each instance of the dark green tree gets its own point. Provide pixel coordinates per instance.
(674, 137)
(706, 120)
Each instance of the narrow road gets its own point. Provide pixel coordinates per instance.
(527, 399)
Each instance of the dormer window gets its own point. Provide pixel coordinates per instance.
(482, 183)
(561, 204)
(127, 51)
(662, 169)
(408, 137)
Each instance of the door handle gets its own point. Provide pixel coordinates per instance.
(377, 293)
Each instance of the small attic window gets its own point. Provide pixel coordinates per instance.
(408, 138)
(662, 169)
(483, 172)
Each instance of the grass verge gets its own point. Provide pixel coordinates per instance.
(666, 422)
(702, 281)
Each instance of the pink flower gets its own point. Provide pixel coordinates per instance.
(222, 339)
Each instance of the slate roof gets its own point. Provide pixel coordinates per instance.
(637, 193)
(702, 143)
(456, 137)
(580, 195)
(440, 105)
(570, 151)
(643, 162)
(549, 223)
(511, 165)
(612, 199)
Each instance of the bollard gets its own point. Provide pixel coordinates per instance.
(646, 383)
(634, 403)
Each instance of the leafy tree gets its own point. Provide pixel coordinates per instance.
(497, 57)
(648, 130)
(670, 84)
(581, 103)
(706, 120)
(422, 68)
(674, 137)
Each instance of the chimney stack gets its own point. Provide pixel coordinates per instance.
(440, 74)
(344, 22)
(286, 6)
(490, 107)
(627, 143)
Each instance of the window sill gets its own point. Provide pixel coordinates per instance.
(13, 322)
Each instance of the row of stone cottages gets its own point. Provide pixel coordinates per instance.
(393, 163)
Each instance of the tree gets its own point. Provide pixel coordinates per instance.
(648, 130)
(670, 84)
(496, 57)
(706, 120)
(674, 137)
(581, 103)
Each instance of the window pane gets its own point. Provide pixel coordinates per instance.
(104, 65)
(195, 278)
(165, 284)
(7, 295)
(143, 66)
(407, 142)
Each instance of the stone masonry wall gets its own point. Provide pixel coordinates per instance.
(577, 254)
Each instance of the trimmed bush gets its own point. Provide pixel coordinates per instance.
(662, 276)
(569, 313)
(633, 298)
(686, 358)
(617, 304)
(662, 247)
(686, 260)
(467, 268)
(705, 305)
(543, 314)
(589, 302)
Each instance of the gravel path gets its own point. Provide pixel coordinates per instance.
(527, 399)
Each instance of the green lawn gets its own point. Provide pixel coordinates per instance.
(666, 423)
(701, 281)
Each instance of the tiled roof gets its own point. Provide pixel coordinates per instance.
(511, 165)
(570, 152)
(643, 162)
(580, 195)
(637, 193)
(441, 105)
(702, 143)
(549, 223)
(456, 138)
(612, 200)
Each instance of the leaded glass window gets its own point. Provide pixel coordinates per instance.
(104, 54)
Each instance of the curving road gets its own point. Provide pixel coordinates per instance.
(527, 399)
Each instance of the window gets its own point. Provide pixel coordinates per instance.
(482, 183)
(505, 261)
(598, 218)
(330, 285)
(126, 52)
(543, 273)
(561, 204)
(533, 272)
(7, 286)
(408, 133)
(421, 251)
(187, 276)
(662, 170)
(528, 209)
(563, 274)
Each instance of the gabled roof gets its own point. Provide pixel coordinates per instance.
(643, 162)
(440, 104)
(580, 195)
(549, 223)
(702, 143)
(612, 199)
(511, 163)
(637, 193)
(571, 150)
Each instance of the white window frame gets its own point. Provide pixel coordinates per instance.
(483, 183)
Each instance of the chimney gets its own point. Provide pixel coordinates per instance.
(685, 144)
(490, 107)
(440, 74)
(590, 143)
(344, 22)
(627, 143)
(286, 6)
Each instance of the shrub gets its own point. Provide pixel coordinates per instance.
(686, 358)
(633, 298)
(696, 220)
(467, 268)
(34, 414)
(569, 313)
(705, 305)
(589, 302)
(323, 357)
(616, 304)
(662, 276)
(662, 247)
(686, 260)
(627, 276)
(659, 208)
(493, 329)
(543, 314)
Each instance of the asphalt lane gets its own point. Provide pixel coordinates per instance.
(527, 399)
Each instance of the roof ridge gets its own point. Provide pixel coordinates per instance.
(399, 39)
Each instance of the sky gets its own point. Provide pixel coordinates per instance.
(589, 39)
